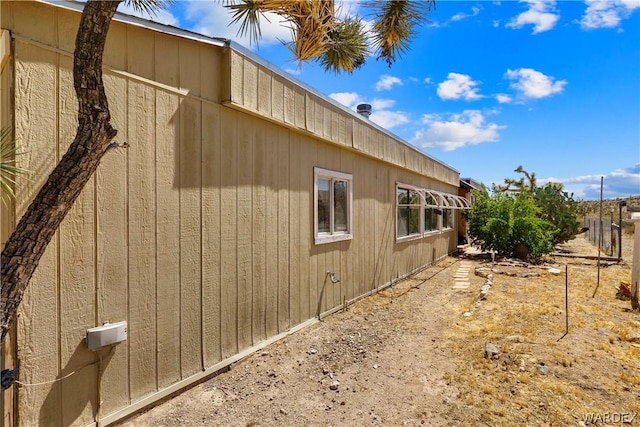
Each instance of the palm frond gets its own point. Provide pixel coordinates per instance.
(150, 7)
(313, 20)
(338, 45)
(8, 168)
(247, 13)
(309, 20)
(394, 25)
(345, 46)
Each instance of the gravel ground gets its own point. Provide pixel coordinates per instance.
(387, 360)
(382, 362)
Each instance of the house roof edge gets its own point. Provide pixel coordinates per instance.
(223, 42)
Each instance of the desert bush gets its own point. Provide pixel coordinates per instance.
(522, 219)
(559, 209)
(507, 222)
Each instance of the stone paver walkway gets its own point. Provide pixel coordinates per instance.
(461, 277)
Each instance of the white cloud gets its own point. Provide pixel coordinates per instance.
(541, 14)
(458, 86)
(607, 13)
(382, 104)
(294, 71)
(621, 182)
(460, 16)
(380, 109)
(348, 99)
(161, 15)
(387, 82)
(456, 131)
(534, 84)
(388, 119)
(347, 8)
(503, 98)
(212, 19)
(475, 10)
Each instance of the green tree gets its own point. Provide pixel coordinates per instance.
(519, 185)
(559, 209)
(340, 45)
(523, 219)
(510, 224)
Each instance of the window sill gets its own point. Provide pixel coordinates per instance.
(320, 240)
(426, 234)
(409, 238)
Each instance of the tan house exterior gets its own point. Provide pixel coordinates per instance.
(242, 194)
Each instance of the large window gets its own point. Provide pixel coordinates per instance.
(447, 218)
(408, 212)
(421, 212)
(430, 214)
(333, 198)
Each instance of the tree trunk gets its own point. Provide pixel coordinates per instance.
(37, 226)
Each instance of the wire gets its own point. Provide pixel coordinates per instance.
(68, 375)
(52, 381)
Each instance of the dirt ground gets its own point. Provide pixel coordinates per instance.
(416, 354)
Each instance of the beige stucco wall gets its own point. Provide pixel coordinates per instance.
(200, 234)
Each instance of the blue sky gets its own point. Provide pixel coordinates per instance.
(553, 86)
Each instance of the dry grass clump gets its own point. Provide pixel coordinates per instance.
(541, 377)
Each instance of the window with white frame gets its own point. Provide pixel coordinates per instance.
(454, 202)
(333, 201)
(408, 214)
(421, 212)
(430, 214)
(447, 218)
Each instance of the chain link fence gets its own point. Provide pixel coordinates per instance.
(605, 233)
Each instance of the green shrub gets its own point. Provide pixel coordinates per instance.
(511, 224)
(521, 219)
(560, 210)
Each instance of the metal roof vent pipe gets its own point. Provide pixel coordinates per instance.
(364, 110)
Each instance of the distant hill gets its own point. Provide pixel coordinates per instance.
(592, 207)
(609, 206)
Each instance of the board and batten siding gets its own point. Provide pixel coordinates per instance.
(259, 90)
(7, 217)
(200, 233)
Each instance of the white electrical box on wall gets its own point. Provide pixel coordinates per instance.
(107, 334)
